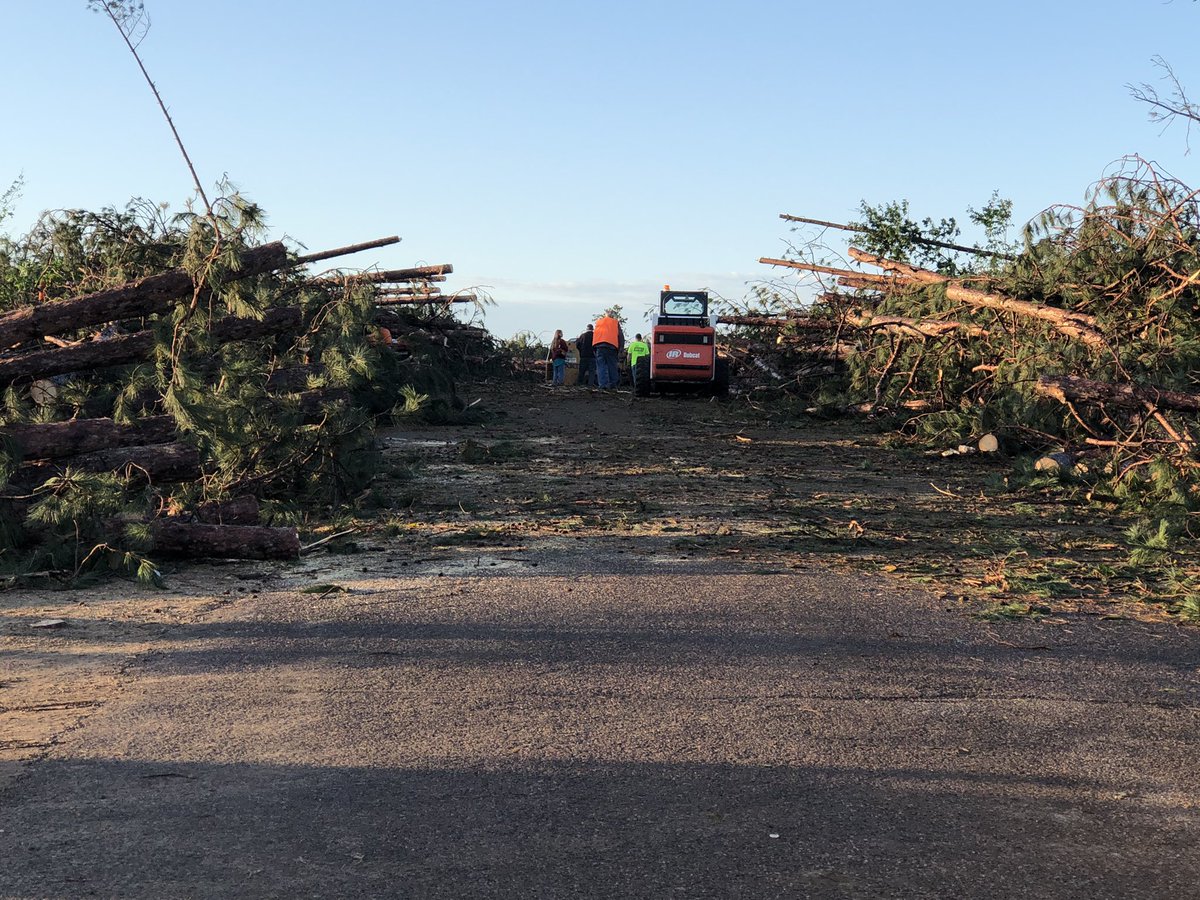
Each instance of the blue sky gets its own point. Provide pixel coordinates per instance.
(572, 154)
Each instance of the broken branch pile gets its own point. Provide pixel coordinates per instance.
(155, 372)
(1087, 336)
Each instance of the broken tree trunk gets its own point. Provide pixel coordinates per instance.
(1068, 388)
(866, 284)
(346, 251)
(200, 541)
(280, 320)
(1078, 326)
(407, 291)
(902, 326)
(862, 322)
(55, 440)
(152, 294)
(417, 273)
(433, 300)
(77, 358)
(865, 277)
(236, 511)
(130, 348)
(158, 464)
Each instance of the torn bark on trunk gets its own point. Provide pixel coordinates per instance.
(55, 440)
(157, 464)
(1077, 326)
(1068, 388)
(155, 293)
(200, 541)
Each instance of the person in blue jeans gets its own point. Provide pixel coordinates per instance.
(558, 357)
(607, 341)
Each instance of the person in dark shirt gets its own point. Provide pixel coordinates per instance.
(587, 359)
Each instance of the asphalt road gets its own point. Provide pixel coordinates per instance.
(583, 728)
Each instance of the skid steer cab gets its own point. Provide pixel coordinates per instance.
(683, 349)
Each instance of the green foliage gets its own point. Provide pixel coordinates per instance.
(81, 508)
(9, 460)
(886, 230)
(72, 252)
(1149, 543)
(1188, 608)
(410, 402)
(996, 220)
(75, 499)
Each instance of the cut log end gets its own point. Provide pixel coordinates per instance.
(989, 443)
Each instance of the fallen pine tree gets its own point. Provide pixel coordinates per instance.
(1102, 293)
(1073, 389)
(198, 377)
(54, 440)
(127, 348)
(147, 296)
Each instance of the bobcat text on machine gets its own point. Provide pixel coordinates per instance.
(683, 348)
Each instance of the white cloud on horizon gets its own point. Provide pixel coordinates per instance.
(542, 306)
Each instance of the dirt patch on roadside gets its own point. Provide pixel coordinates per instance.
(689, 477)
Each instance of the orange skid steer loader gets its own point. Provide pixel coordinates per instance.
(683, 349)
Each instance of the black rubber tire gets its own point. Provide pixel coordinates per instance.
(720, 386)
(640, 375)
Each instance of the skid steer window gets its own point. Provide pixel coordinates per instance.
(683, 306)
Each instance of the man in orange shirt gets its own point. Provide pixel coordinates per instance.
(607, 342)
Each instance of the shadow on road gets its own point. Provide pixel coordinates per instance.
(158, 829)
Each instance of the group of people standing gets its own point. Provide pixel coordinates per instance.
(599, 349)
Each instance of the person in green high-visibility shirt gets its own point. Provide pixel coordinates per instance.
(637, 349)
